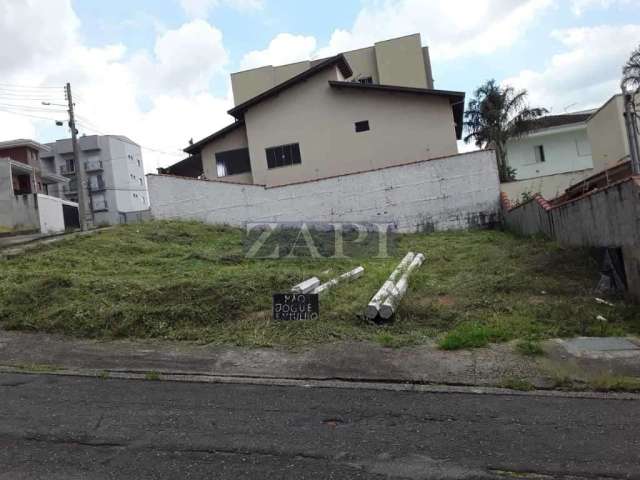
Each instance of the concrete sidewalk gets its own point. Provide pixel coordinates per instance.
(353, 361)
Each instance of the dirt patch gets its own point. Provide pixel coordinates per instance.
(446, 300)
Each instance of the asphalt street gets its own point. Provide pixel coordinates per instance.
(57, 427)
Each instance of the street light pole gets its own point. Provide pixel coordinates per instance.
(80, 171)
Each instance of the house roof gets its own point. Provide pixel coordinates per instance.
(456, 99)
(197, 147)
(338, 60)
(23, 142)
(551, 121)
(189, 167)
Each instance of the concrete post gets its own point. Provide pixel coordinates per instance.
(381, 295)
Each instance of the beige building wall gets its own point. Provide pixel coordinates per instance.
(231, 141)
(363, 63)
(608, 135)
(248, 84)
(403, 128)
(398, 61)
(285, 72)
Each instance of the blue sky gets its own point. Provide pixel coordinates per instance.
(157, 70)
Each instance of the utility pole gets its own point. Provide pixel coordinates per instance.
(80, 171)
(632, 130)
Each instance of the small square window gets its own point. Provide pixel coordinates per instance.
(362, 126)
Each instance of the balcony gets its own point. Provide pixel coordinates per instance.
(93, 166)
(67, 169)
(97, 186)
(70, 189)
(100, 205)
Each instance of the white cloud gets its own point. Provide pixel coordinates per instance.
(160, 99)
(284, 48)
(201, 8)
(185, 59)
(451, 28)
(580, 6)
(586, 73)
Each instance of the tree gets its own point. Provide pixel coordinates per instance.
(497, 114)
(631, 73)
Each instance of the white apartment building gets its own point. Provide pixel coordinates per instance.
(115, 175)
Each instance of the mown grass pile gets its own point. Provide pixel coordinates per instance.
(189, 281)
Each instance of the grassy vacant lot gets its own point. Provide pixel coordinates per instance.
(178, 280)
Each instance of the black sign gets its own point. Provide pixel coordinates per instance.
(295, 306)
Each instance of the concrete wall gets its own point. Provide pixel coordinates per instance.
(404, 128)
(607, 134)
(566, 150)
(233, 140)
(50, 214)
(16, 212)
(607, 217)
(550, 186)
(19, 212)
(455, 192)
(530, 218)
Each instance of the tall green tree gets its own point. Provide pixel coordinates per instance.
(497, 114)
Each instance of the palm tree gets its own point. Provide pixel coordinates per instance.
(497, 114)
(631, 73)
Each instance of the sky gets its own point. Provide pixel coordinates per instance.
(158, 71)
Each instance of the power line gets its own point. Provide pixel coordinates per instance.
(87, 125)
(29, 97)
(13, 112)
(31, 87)
(31, 107)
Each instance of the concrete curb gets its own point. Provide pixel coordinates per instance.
(313, 383)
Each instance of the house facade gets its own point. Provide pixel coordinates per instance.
(570, 149)
(28, 190)
(358, 111)
(114, 173)
(552, 157)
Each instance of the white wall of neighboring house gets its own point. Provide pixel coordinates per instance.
(565, 150)
(549, 161)
(50, 214)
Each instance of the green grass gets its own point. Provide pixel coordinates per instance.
(153, 376)
(475, 334)
(615, 383)
(189, 281)
(516, 383)
(37, 367)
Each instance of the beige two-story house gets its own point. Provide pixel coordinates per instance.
(357, 111)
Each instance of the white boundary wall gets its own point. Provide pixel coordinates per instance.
(455, 192)
(50, 213)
